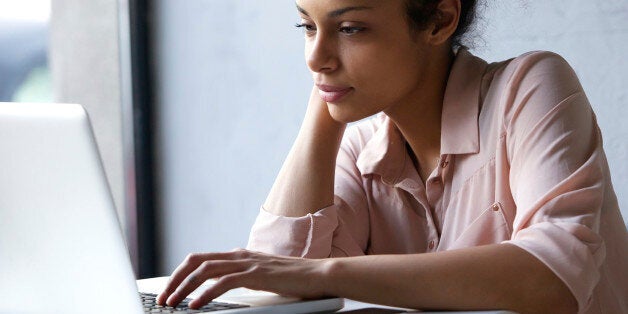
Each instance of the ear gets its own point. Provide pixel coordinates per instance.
(445, 22)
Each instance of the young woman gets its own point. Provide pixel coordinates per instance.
(475, 186)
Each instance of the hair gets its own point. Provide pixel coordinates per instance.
(421, 13)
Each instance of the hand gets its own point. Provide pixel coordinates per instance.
(318, 113)
(288, 276)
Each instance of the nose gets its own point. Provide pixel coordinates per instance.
(320, 54)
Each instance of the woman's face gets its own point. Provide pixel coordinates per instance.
(362, 54)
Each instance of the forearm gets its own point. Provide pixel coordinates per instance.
(305, 182)
(499, 276)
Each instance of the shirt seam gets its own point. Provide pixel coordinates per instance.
(466, 181)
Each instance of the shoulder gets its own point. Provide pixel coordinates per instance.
(536, 69)
(533, 84)
(545, 57)
(539, 90)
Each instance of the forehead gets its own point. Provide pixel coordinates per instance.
(336, 8)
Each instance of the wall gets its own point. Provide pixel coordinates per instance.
(232, 88)
(85, 64)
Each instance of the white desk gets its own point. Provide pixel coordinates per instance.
(356, 307)
(156, 285)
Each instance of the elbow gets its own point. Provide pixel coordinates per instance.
(547, 305)
(557, 297)
(540, 290)
(552, 297)
(560, 304)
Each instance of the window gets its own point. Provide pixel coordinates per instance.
(24, 71)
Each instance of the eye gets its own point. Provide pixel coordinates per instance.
(307, 28)
(351, 30)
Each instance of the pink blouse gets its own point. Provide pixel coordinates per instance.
(521, 163)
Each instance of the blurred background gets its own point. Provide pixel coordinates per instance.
(196, 103)
(25, 75)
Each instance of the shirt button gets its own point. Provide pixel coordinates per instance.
(495, 207)
(431, 245)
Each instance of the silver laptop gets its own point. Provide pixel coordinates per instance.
(61, 248)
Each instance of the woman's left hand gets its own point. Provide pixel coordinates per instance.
(289, 276)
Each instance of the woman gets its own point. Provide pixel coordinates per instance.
(476, 186)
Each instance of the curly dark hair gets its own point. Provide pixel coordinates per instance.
(421, 13)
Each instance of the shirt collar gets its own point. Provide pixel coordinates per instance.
(385, 153)
(461, 105)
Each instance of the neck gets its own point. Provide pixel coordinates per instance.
(419, 116)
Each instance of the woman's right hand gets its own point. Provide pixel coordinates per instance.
(318, 118)
(289, 276)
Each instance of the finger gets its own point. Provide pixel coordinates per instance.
(189, 264)
(224, 284)
(208, 269)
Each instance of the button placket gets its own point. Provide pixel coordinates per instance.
(434, 190)
(431, 226)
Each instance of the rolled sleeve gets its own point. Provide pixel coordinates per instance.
(325, 233)
(309, 236)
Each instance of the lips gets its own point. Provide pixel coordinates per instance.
(331, 94)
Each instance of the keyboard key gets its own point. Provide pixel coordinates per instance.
(150, 306)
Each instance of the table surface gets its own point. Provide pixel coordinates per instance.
(351, 306)
(357, 307)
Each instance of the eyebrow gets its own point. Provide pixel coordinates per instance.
(339, 12)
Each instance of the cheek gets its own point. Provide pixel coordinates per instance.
(385, 68)
(392, 78)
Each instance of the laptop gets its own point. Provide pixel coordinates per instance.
(61, 246)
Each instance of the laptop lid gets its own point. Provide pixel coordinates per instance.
(61, 247)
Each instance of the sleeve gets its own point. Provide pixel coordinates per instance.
(556, 176)
(335, 231)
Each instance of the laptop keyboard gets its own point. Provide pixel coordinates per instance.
(150, 306)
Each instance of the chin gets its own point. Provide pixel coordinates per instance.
(342, 115)
(346, 113)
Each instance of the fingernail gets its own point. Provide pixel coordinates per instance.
(161, 299)
(171, 299)
(193, 304)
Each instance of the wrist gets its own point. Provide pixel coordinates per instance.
(329, 273)
(320, 134)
